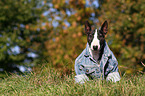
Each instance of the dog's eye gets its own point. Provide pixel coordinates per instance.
(101, 35)
(90, 35)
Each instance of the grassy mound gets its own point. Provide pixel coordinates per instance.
(49, 82)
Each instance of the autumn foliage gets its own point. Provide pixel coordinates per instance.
(126, 36)
(54, 31)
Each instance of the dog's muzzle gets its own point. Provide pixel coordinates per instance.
(95, 47)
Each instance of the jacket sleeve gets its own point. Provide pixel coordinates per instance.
(78, 66)
(113, 74)
(80, 77)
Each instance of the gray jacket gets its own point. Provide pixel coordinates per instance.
(87, 68)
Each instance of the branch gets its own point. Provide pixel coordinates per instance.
(142, 64)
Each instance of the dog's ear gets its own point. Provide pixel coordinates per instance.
(87, 27)
(104, 27)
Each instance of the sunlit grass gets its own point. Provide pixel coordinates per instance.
(49, 82)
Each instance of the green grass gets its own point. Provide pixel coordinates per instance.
(49, 82)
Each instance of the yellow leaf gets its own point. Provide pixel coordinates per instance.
(129, 71)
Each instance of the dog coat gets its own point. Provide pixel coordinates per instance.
(87, 68)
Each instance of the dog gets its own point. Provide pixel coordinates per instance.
(96, 60)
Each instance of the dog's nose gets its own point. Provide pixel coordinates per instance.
(95, 47)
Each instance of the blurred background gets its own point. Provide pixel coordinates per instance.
(36, 33)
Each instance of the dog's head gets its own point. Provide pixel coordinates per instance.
(96, 38)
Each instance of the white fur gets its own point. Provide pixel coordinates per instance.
(95, 41)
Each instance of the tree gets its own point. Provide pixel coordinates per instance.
(125, 36)
(54, 31)
(68, 39)
(127, 31)
(21, 32)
